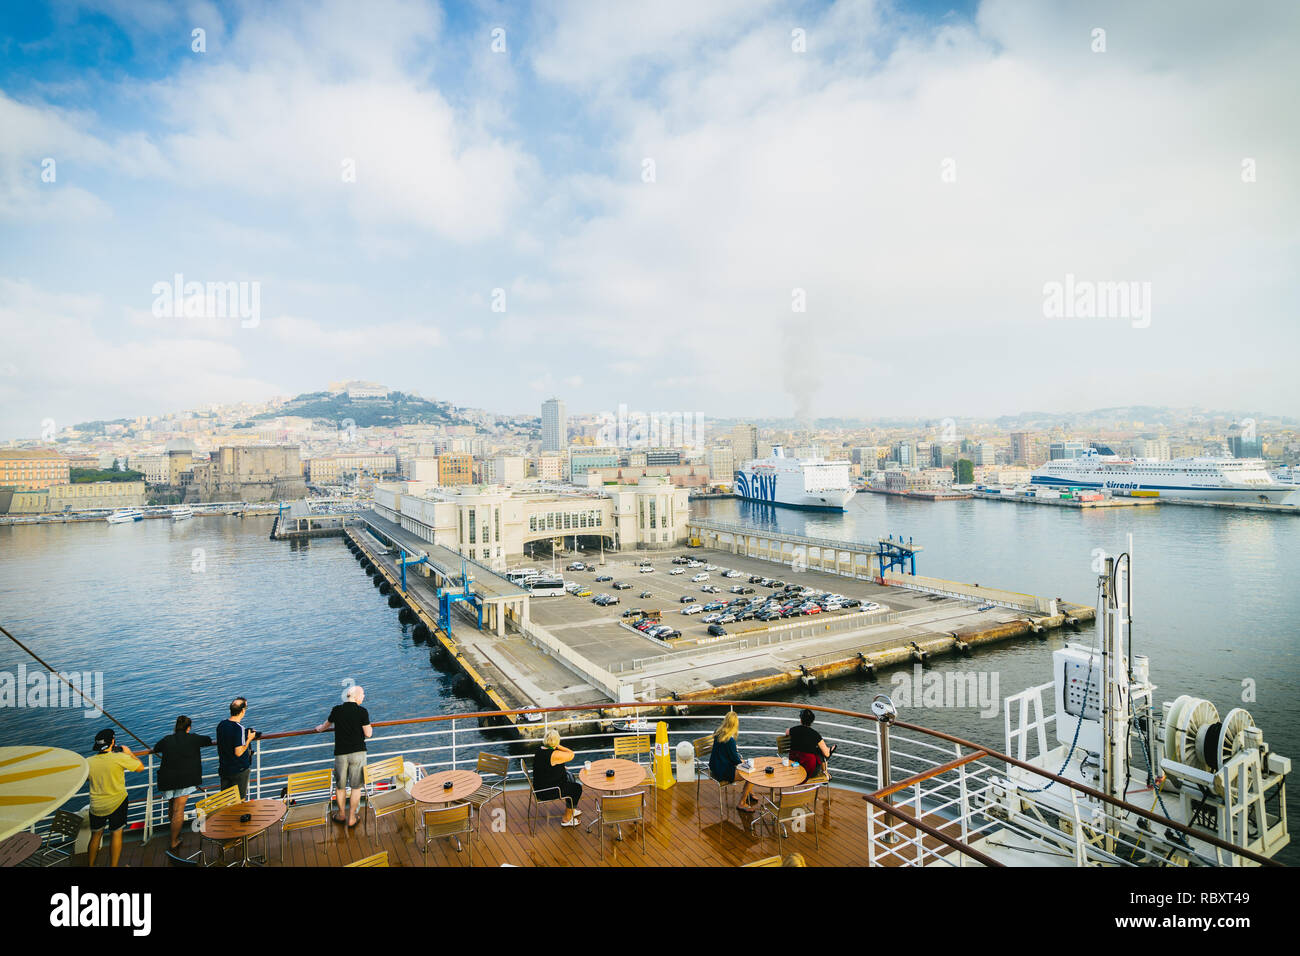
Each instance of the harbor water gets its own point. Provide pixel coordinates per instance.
(181, 617)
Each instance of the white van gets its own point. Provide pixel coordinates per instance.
(702, 576)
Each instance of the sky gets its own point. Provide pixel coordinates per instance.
(737, 208)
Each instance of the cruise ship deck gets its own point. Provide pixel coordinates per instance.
(899, 795)
(673, 837)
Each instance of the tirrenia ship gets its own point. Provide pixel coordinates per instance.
(795, 482)
(1206, 479)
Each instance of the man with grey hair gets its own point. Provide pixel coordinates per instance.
(351, 723)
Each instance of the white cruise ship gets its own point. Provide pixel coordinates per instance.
(795, 482)
(1205, 479)
(182, 513)
(124, 515)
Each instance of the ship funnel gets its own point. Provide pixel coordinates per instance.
(778, 451)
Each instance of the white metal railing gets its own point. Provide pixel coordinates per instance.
(959, 791)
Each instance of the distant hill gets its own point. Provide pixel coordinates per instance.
(397, 409)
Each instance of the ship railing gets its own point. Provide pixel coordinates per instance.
(937, 800)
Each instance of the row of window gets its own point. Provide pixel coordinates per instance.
(565, 520)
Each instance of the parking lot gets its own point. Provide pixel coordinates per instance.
(595, 630)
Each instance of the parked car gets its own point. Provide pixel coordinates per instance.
(714, 606)
(582, 592)
(676, 571)
(646, 594)
(710, 618)
(602, 578)
(633, 611)
(736, 589)
(702, 576)
(731, 574)
(693, 609)
(717, 630)
(670, 635)
(852, 602)
(645, 569)
(576, 566)
(686, 599)
(755, 578)
(620, 586)
(726, 618)
(710, 589)
(710, 567)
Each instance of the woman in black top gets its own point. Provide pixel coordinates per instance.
(181, 771)
(807, 748)
(549, 775)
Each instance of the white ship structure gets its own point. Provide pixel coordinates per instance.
(1206, 479)
(795, 482)
(125, 515)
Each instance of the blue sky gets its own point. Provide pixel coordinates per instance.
(913, 174)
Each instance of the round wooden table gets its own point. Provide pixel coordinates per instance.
(225, 823)
(781, 778)
(18, 848)
(627, 774)
(430, 789)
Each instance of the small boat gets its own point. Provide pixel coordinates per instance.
(182, 512)
(637, 726)
(124, 515)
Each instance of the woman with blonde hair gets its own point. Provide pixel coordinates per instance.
(725, 758)
(552, 781)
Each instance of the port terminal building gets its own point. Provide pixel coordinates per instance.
(496, 524)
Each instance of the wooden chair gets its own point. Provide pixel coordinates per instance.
(490, 765)
(636, 747)
(59, 842)
(205, 808)
(383, 802)
(301, 816)
(616, 810)
(448, 822)
(766, 861)
(377, 859)
(703, 749)
(792, 806)
(536, 797)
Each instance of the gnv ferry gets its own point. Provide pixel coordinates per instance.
(795, 482)
(1206, 479)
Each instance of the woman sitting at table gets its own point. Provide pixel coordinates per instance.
(807, 748)
(725, 758)
(549, 775)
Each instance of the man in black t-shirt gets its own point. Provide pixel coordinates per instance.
(351, 723)
(807, 748)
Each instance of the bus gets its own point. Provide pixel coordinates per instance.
(545, 587)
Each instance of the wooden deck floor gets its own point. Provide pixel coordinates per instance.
(673, 838)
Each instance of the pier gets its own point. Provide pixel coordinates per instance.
(523, 652)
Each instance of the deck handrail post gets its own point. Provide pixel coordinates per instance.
(890, 836)
(148, 798)
(453, 744)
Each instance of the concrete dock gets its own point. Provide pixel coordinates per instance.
(561, 651)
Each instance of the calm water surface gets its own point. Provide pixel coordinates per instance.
(182, 617)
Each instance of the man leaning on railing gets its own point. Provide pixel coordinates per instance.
(351, 723)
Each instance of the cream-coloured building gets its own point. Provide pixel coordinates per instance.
(331, 469)
(546, 468)
(492, 523)
(78, 496)
(153, 467)
(722, 465)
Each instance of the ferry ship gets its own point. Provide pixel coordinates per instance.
(1205, 479)
(795, 482)
(181, 512)
(124, 515)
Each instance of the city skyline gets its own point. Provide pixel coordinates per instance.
(742, 206)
